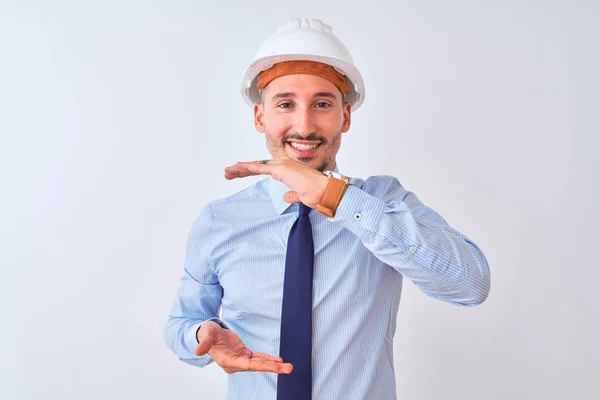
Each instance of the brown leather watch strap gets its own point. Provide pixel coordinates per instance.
(331, 197)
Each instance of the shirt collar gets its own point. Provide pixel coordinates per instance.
(277, 190)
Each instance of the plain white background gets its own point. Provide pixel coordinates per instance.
(118, 117)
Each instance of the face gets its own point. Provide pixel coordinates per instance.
(303, 116)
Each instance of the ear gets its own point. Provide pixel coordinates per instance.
(258, 117)
(347, 110)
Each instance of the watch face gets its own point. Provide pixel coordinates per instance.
(349, 180)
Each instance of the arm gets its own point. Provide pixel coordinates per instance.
(415, 240)
(188, 331)
(198, 296)
(394, 225)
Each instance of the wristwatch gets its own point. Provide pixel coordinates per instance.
(336, 187)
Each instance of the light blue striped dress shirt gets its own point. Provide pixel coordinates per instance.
(235, 261)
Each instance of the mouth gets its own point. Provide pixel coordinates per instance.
(303, 148)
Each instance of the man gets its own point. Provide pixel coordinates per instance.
(306, 264)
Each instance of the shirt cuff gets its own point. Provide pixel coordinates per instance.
(191, 339)
(358, 211)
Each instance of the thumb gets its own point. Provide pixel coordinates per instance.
(205, 342)
(291, 197)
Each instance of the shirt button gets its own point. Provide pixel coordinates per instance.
(357, 216)
(413, 249)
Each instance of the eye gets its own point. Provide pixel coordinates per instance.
(323, 104)
(285, 105)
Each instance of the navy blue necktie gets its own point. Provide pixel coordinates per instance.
(296, 312)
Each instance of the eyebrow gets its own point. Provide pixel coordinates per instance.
(289, 95)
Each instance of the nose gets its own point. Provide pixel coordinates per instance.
(304, 123)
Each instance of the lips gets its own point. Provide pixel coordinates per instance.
(305, 149)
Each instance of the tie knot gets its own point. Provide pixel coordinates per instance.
(304, 209)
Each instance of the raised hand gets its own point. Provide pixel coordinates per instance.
(307, 183)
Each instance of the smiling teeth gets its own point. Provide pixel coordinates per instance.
(304, 146)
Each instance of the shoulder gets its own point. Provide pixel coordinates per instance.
(230, 204)
(218, 214)
(257, 190)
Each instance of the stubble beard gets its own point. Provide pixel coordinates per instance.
(278, 147)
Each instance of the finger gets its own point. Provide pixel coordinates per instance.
(263, 162)
(204, 345)
(267, 357)
(245, 353)
(257, 168)
(235, 363)
(259, 365)
(232, 172)
(291, 197)
(244, 169)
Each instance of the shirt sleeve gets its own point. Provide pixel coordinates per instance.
(416, 241)
(198, 297)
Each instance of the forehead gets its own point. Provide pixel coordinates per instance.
(301, 84)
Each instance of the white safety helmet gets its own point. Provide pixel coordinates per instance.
(304, 39)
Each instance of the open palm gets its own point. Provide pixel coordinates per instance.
(228, 351)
